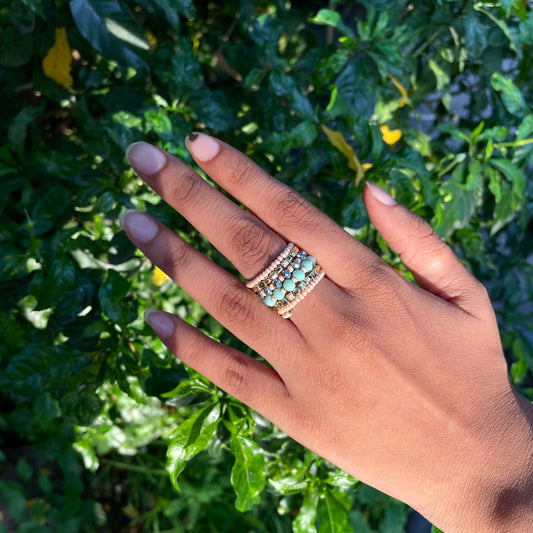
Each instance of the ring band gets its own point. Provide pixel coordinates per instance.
(287, 280)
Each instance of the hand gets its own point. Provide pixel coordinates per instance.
(403, 386)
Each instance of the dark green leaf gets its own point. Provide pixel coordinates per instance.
(111, 294)
(475, 35)
(37, 369)
(248, 472)
(285, 85)
(110, 29)
(18, 127)
(24, 470)
(15, 48)
(356, 93)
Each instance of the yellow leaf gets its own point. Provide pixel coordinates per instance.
(367, 166)
(58, 61)
(159, 277)
(401, 88)
(390, 136)
(339, 142)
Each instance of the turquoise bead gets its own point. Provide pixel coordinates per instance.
(278, 294)
(312, 259)
(289, 285)
(269, 301)
(307, 266)
(298, 275)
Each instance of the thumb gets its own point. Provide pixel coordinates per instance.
(430, 260)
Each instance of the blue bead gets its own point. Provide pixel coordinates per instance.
(278, 295)
(267, 291)
(269, 301)
(289, 285)
(302, 254)
(277, 284)
(307, 266)
(299, 275)
(286, 273)
(285, 263)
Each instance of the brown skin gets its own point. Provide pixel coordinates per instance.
(403, 386)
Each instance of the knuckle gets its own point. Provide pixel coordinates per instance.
(187, 188)
(193, 350)
(174, 257)
(248, 242)
(242, 171)
(232, 304)
(293, 210)
(236, 374)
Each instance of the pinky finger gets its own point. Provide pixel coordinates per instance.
(240, 375)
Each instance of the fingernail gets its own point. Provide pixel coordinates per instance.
(380, 195)
(201, 146)
(145, 158)
(160, 322)
(139, 226)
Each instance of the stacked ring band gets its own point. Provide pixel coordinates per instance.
(287, 280)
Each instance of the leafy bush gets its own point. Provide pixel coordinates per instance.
(429, 99)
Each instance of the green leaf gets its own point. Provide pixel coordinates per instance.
(512, 173)
(38, 368)
(505, 209)
(35, 5)
(332, 517)
(248, 472)
(289, 485)
(109, 28)
(356, 94)
(332, 18)
(15, 48)
(511, 96)
(442, 77)
(284, 85)
(302, 135)
(111, 293)
(186, 8)
(190, 438)
(306, 519)
(457, 204)
(24, 470)
(475, 35)
(526, 29)
(12, 495)
(19, 125)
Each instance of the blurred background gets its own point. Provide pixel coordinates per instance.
(99, 425)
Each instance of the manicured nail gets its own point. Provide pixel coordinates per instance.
(139, 226)
(201, 146)
(380, 195)
(145, 158)
(160, 322)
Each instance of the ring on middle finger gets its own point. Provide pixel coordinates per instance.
(287, 280)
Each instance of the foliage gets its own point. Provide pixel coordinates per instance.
(431, 100)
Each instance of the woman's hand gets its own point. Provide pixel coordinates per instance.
(403, 386)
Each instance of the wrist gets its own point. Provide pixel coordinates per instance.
(498, 496)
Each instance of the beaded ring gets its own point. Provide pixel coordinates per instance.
(287, 280)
